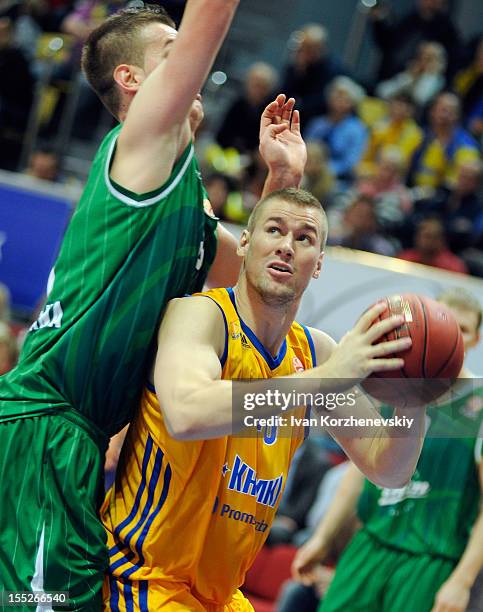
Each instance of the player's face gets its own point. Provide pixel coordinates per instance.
(283, 251)
(468, 323)
(159, 40)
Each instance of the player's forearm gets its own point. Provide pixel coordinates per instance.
(281, 178)
(221, 407)
(471, 562)
(390, 457)
(342, 509)
(385, 450)
(204, 408)
(202, 31)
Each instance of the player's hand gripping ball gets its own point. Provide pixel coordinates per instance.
(434, 359)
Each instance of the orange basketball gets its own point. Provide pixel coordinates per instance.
(434, 359)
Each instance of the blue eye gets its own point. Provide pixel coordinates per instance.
(273, 229)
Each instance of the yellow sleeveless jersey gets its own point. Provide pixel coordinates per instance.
(196, 513)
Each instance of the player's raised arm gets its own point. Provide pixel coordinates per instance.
(167, 94)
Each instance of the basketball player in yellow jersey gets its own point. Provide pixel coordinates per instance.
(192, 504)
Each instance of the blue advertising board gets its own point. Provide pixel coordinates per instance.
(33, 218)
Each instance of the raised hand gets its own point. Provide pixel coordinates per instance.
(281, 144)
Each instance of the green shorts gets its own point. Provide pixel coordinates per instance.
(371, 577)
(51, 484)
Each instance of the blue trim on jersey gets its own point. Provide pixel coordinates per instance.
(272, 362)
(143, 596)
(117, 531)
(152, 488)
(151, 491)
(114, 598)
(150, 387)
(128, 598)
(311, 345)
(121, 561)
(308, 409)
(147, 526)
(225, 350)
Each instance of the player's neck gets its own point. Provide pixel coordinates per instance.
(269, 322)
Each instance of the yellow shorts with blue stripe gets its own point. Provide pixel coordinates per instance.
(151, 596)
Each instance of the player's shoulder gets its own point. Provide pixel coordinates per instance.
(197, 310)
(323, 344)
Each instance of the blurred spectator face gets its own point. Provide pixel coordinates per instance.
(445, 111)
(6, 33)
(360, 217)
(389, 166)
(431, 7)
(340, 102)
(400, 109)
(260, 82)
(468, 179)
(311, 45)
(429, 239)
(217, 188)
(432, 57)
(44, 165)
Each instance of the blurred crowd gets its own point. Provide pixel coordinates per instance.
(396, 161)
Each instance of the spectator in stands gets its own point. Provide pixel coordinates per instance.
(393, 200)
(475, 122)
(422, 78)
(359, 228)
(430, 247)
(460, 208)
(310, 70)
(241, 124)
(397, 38)
(318, 178)
(84, 17)
(16, 94)
(445, 146)
(44, 164)
(398, 129)
(468, 83)
(341, 130)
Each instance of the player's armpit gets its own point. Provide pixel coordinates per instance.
(226, 267)
(191, 341)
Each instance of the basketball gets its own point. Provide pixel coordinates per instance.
(434, 359)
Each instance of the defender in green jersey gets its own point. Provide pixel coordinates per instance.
(420, 547)
(139, 237)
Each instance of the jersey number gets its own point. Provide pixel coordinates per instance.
(201, 256)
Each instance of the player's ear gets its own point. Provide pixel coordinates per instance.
(128, 77)
(474, 341)
(318, 266)
(243, 244)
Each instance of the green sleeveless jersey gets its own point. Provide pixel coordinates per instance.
(434, 513)
(122, 258)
